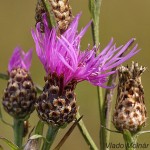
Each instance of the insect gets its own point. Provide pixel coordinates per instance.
(26, 128)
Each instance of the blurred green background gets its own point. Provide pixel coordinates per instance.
(121, 19)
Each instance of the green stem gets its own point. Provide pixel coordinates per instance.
(51, 134)
(130, 140)
(95, 33)
(97, 21)
(107, 107)
(18, 131)
(102, 118)
(86, 134)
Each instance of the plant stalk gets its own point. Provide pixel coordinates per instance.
(18, 132)
(107, 106)
(130, 140)
(86, 134)
(95, 33)
(71, 129)
(50, 137)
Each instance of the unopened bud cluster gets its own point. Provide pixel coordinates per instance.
(130, 110)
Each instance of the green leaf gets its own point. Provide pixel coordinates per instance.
(51, 18)
(4, 76)
(39, 128)
(64, 126)
(39, 89)
(10, 144)
(36, 136)
(92, 7)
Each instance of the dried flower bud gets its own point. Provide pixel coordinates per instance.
(62, 13)
(130, 110)
(32, 144)
(56, 105)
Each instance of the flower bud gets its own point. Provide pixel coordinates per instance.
(20, 94)
(130, 110)
(62, 13)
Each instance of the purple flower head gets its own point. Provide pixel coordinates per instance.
(62, 55)
(20, 59)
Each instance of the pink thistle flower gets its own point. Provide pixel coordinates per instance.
(62, 55)
(20, 59)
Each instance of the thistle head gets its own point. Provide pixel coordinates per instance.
(65, 64)
(130, 110)
(57, 104)
(20, 94)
